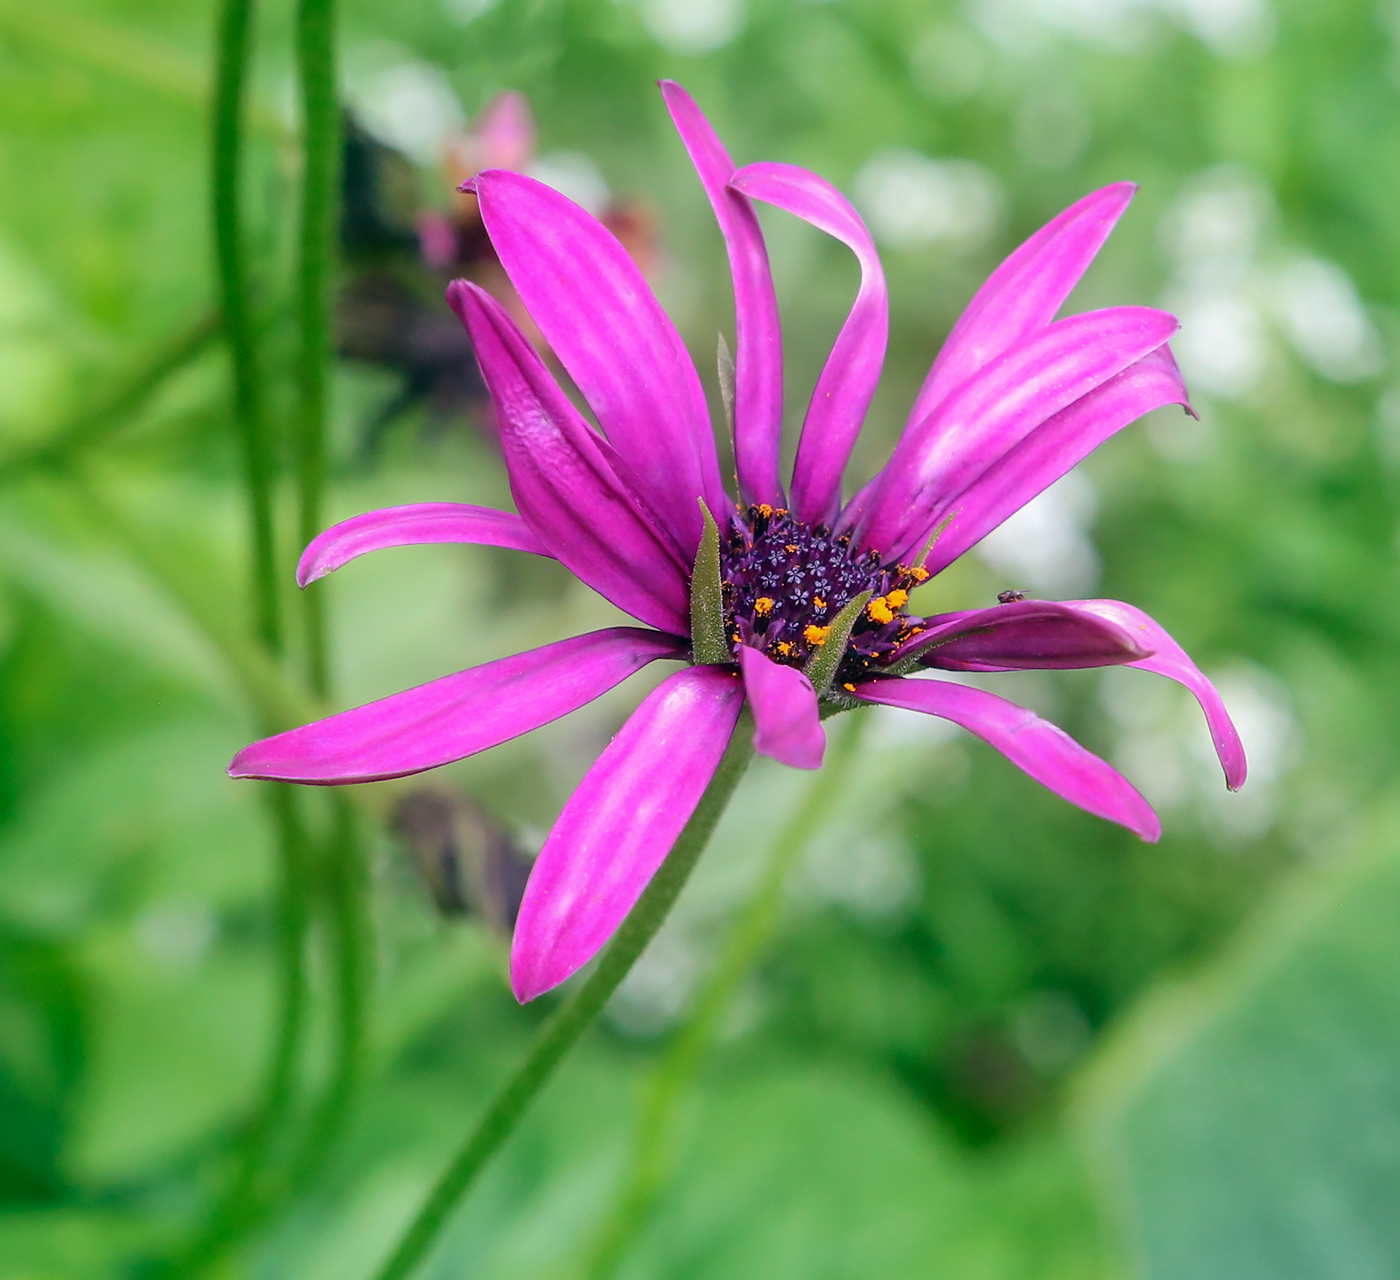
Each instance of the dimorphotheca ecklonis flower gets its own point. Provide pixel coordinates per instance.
(788, 599)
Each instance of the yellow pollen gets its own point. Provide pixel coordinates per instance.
(819, 602)
(816, 636)
(848, 687)
(763, 606)
(897, 598)
(790, 547)
(780, 511)
(765, 510)
(879, 611)
(919, 575)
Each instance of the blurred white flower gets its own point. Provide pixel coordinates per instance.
(408, 105)
(1163, 746)
(1045, 547)
(872, 874)
(1218, 221)
(693, 26)
(1229, 28)
(1223, 346)
(911, 200)
(1320, 311)
(464, 11)
(573, 174)
(655, 993)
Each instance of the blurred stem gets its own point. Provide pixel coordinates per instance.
(653, 1150)
(576, 1015)
(107, 413)
(344, 872)
(276, 704)
(251, 1194)
(230, 250)
(320, 170)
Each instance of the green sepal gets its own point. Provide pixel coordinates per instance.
(708, 643)
(821, 666)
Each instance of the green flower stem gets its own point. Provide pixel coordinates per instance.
(652, 1153)
(105, 414)
(319, 205)
(230, 251)
(345, 874)
(574, 1017)
(252, 1193)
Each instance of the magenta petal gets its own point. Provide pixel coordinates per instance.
(456, 716)
(564, 476)
(1052, 449)
(787, 721)
(994, 410)
(852, 370)
(414, 525)
(620, 824)
(1024, 293)
(1041, 749)
(599, 315)
(1025, 635)
(1170, 659)
(758, 360)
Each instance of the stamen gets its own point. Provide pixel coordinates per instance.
(784, 582)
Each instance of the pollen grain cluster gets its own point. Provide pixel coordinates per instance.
(784, 582)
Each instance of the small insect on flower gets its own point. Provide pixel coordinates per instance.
(788, 599)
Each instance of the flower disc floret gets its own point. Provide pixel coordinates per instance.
(784, 581)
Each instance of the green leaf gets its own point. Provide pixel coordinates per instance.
(821, 666)
(1250, 1119)
(708, 642)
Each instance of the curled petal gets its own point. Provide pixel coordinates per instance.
(1051, 450)
(1170, 659)
(1024, 293)
(994, 410)
(565, 477)
(620, 824)
(599, 315)
(787, 721)
(1024, 635)
(414, 525)
(1036, 746)
(456, 716)
(758, 409)
(852, 369)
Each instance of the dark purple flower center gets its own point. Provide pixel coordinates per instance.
(784, 582)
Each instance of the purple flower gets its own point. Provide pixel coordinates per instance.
(795, 600)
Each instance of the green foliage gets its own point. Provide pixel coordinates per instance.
(961, 953)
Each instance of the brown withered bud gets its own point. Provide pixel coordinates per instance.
(468, 861)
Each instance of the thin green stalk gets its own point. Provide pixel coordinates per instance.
(230, 252)
(106, 414)
(345, 888)
(319, 205)
(653, 1151)
(576, 1015)
(252, 1193)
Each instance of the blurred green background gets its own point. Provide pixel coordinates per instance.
(986, 1036)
